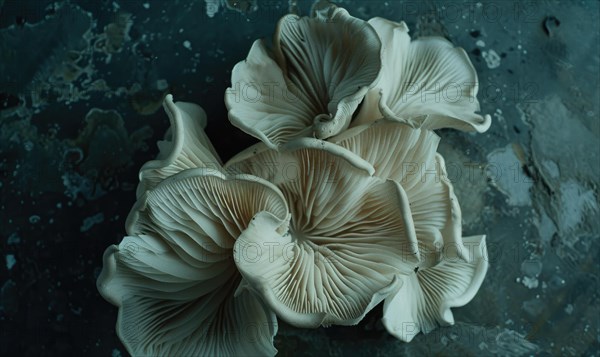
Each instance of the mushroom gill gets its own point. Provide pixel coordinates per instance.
(350, 234)
(427, 83)
(452, 268)
(173, 276)
(317, 74)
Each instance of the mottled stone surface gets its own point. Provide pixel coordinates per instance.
(80, 90)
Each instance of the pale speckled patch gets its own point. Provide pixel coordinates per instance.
(546, 227)
(492, 59)
(576, 202)
(469, 180)
(551, 168)
(559, 135)
(505, 172)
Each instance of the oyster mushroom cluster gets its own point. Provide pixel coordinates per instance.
(344, 203)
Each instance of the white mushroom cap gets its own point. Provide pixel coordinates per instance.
(408, 156)
(348, 233)
(427, 83)
(452, 268)
(424, 301)
(185, 146)
(173, 278)
(321, 68)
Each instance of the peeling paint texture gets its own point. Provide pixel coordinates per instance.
(81, 86)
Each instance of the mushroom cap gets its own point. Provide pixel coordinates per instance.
(348, 233)
(408, 156)
(185, 146)
(451, 268)
(320, 69)
(425, 299)
(427, 83)
(174, 278)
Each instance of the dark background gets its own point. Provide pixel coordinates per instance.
(68, 172)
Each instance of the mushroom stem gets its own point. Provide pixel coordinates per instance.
(326, 126)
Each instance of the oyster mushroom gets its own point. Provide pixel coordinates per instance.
(452, 268)
(186, 146)
(320, 69)
(408, 157)
(348, 233)
(173, 276)
(424, 301)
(426, 83)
